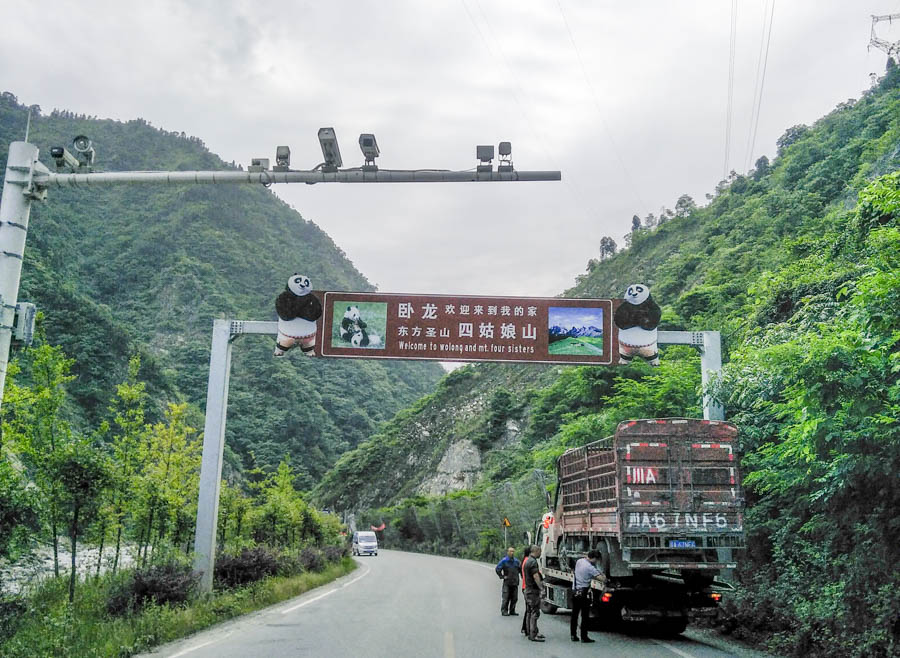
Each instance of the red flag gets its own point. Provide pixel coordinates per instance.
(381, 527)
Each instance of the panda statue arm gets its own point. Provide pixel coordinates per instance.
(310, 308)
(626, 315)
(284, 305)
(652, 314)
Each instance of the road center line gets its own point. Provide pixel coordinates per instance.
(449, 649)
(673, 649)
(322, 596)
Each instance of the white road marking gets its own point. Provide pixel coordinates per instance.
(322, 596)
(673, 649)
(197, 646)
(449, 649)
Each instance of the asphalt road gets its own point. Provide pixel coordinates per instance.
(406, 605)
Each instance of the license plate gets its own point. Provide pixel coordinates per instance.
(682, 543)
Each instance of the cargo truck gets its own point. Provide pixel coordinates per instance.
(661, 502)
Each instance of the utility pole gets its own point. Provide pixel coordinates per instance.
(27, 180)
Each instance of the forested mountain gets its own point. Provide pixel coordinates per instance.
(796, 263)
(143, 270)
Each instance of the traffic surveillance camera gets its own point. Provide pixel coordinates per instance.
(282, 158)
(369, 147)
(484, 154)
(64, 158)
(330, 151)
(82, 145)
(506, 165)
(258, 165)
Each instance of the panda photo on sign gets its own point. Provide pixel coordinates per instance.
(351, 322)
(636, 319)
(298, 309)
(353, 329)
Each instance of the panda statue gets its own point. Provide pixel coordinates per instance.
(350, 323)
(298, 309)
(636, 319)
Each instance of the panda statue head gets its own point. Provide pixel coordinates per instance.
(298, 284)
(637, 294)
(352, 313)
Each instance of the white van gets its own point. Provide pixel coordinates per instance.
(365, 541)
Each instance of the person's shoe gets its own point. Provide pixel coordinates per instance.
(505, 614)
(541, 636)
(575, 638)
(513, 614)
(587, 640)
(537, 638)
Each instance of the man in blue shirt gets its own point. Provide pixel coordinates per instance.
(508, 571)
(585, 571)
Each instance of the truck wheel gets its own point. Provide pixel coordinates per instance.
(548, 608)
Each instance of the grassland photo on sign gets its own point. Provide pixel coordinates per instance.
(575, 330)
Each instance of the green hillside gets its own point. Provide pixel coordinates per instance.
(145, 269)
(797, 265)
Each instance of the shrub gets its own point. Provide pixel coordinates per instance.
(12, 608)
(170, 583)
(335, 553)
(311, 559)
(248, 566)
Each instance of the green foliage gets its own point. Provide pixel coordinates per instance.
(797, 265)
(137, 270)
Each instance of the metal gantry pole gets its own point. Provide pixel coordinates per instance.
(213, 451)
(710, 345)
(15, 208)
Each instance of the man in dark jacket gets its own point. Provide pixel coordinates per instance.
(508, 571)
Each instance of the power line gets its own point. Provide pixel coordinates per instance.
(516, 93)
(762, 84)
(606, 129)
(759, 59)
(729, 107)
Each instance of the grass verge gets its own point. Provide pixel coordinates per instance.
(54, 629)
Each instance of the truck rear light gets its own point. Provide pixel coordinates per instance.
(716, 596)
(606, 597)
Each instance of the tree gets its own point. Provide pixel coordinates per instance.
(684, 206)
(650, 221)
(607, 247)
(128, 428)
(167, 485)
(81, 473)
(635, 223)
(790, 136)
(762, 168)
(18, 515)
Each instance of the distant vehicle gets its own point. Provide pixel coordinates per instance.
(365, 542)
(662, 504)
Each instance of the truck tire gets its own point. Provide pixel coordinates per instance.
(548, 608)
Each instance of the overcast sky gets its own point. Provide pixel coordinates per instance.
(642, 123)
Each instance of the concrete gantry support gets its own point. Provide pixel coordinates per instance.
(18, 192)
(710, 344)
(224, 331)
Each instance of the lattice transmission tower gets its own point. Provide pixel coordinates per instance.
(892, 48)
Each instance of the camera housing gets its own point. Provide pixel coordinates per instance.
(330, 150)
(484, 153)
(64, 159)
(369, 148)
(282, 158)
(84, 148)
(258, 165)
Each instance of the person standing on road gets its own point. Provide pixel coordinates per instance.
(585, 571)
(525, 555)
(533, 584)
(508, 571)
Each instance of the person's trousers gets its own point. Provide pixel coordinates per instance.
(508, 596)
(581, 602)
(532, 611)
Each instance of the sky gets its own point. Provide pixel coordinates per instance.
(627, 99)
